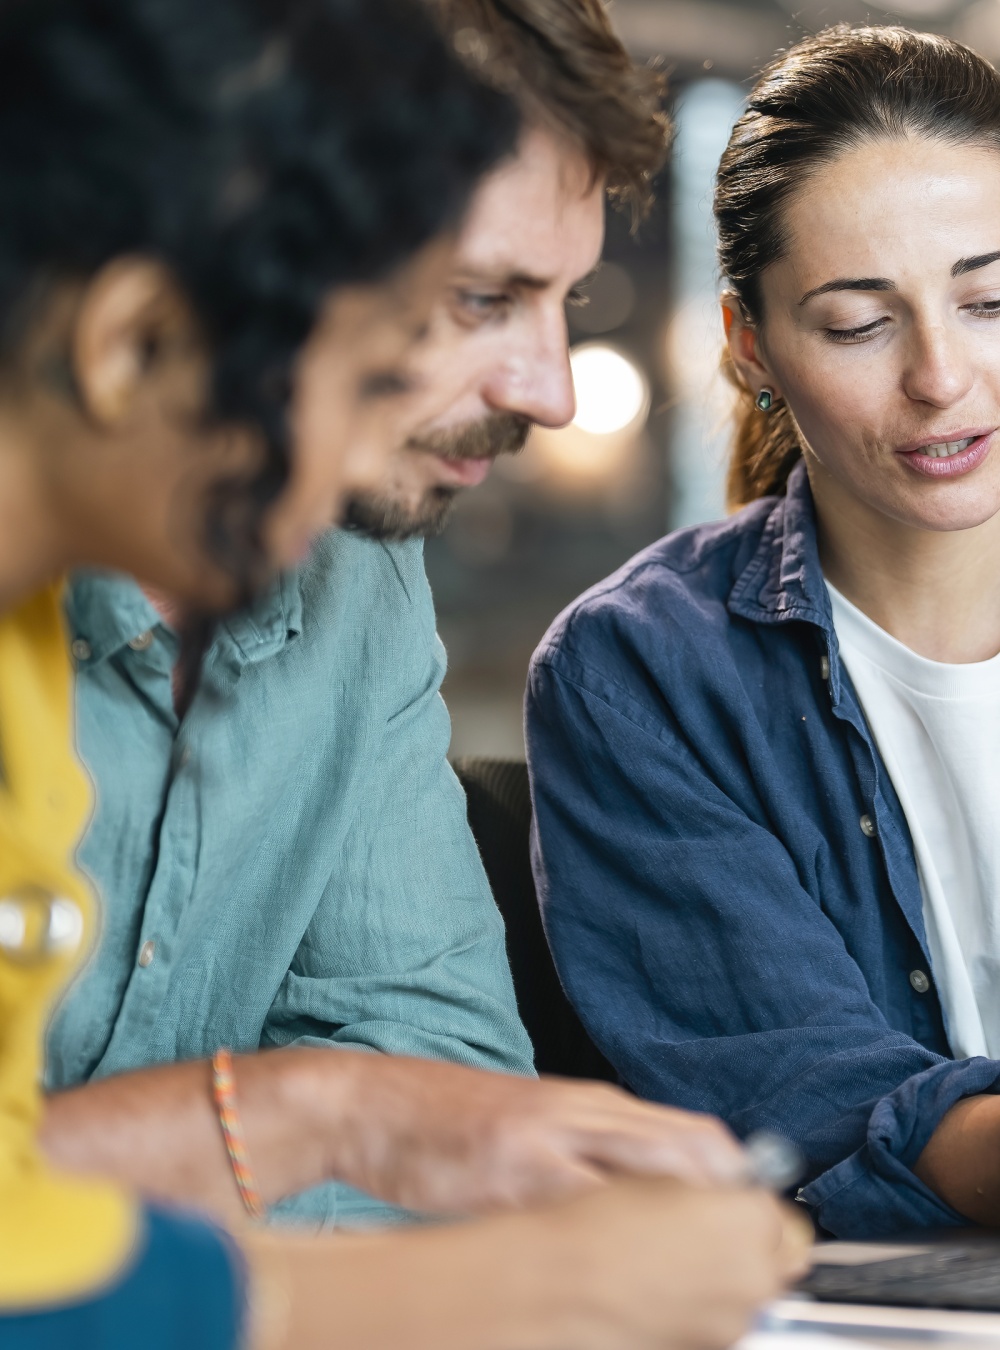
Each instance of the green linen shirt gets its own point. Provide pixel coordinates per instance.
(291, 863)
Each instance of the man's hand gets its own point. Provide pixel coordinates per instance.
(427, 1135)
(440, 1138)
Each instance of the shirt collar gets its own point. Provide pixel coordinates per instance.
(108, 611)
(783, 580)
(273, 619)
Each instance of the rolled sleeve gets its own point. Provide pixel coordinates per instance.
(703, 967)
(873, 1192)
(406, 951)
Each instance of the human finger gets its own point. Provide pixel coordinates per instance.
(695, 1149)
(796, 1242)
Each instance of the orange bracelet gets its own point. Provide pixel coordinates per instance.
(224, 1094)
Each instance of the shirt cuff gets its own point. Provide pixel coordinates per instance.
(873, 1193)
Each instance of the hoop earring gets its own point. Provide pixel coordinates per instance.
(764, 401)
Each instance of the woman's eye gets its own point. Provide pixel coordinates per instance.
(861, 334)
(985, 309)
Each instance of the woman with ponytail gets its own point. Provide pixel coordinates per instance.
(765, 753)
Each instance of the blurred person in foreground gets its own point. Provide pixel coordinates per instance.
(206, 339)
(764, 753)
(198, 213)
(286, 864)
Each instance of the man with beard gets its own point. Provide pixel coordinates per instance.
(285, 863)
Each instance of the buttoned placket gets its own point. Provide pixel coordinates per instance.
(150, 663)
(173, 885)
(772, 590)
(876, 822)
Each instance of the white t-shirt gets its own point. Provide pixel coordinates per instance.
(937, 727)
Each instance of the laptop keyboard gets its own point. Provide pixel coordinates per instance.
(947, 1277)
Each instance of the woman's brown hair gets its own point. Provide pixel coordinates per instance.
(828, 93)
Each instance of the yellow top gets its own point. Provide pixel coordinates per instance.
(60, 1237)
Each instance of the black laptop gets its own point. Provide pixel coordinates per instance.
(957, 1269)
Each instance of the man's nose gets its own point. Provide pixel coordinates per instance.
(535, 379)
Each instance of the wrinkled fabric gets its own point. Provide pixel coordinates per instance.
(296, 849)
(724, 869)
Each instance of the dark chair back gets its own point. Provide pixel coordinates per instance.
(500, 816)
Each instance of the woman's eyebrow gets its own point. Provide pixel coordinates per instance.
(852, 284)
(973, 264)
(959, 269)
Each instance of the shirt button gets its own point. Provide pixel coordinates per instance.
(867, 826)
(824, 666)
(80, 649)
(919, 981)
(146, 953)
(140, 643)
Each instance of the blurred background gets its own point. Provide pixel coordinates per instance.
(646, 452)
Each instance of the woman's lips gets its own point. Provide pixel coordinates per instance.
(950, 466)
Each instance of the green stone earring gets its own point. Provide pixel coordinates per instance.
(764, 401)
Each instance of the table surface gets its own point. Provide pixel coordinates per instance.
(895, 1328)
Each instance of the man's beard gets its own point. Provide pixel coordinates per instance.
(382, 516)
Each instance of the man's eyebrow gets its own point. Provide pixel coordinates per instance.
(524, 280)
(500, 276)
(973, 264)
(850, 284)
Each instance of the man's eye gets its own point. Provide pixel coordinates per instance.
(483, 304)
(384, 384)
(577, 298)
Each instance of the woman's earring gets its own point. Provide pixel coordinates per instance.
(764, 401)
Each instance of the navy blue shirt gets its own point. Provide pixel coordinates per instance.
(725, 872)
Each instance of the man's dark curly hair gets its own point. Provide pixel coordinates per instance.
(266, 151)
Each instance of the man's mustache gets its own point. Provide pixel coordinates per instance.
(502, 434)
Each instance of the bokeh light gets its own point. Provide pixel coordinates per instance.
(611, 392)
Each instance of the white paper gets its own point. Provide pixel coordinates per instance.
(860, 1253)
(800, 1340)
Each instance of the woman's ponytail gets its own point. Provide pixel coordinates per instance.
(765, 446)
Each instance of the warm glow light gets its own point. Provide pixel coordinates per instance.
(611, 394)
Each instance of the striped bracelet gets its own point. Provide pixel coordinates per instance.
(224, 1094)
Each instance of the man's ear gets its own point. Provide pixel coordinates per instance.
(128, 314)
(744, 349)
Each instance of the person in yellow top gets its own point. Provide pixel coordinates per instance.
(58, 1237)
(143, 144)
(220, 228)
